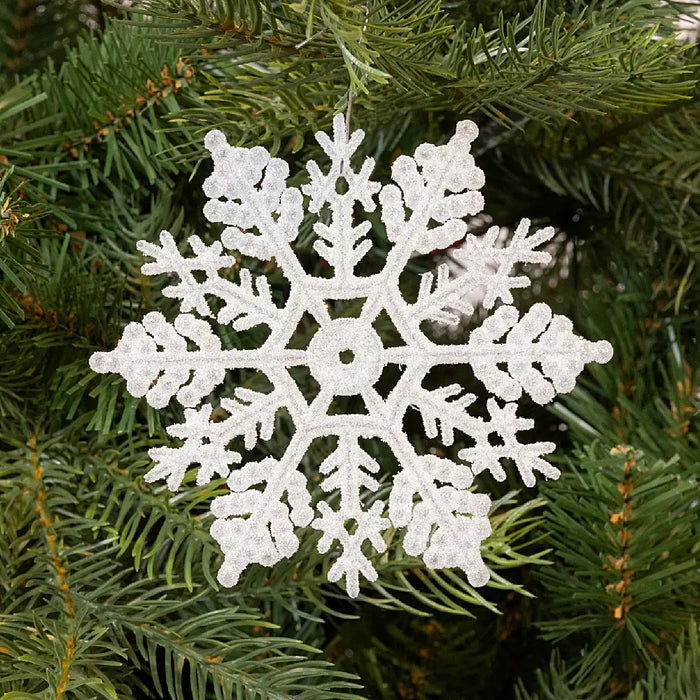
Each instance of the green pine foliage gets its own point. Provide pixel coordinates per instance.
(78, 621)
(676, 677)
(588, 113)
(621, 526)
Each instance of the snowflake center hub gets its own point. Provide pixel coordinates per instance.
(345, 356)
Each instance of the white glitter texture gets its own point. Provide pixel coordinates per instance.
(425, 209)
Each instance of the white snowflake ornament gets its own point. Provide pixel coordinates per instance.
(424, 209)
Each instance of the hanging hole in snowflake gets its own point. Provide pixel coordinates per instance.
(350, 525)
(200, 276)
(347, 357)
(341, 185)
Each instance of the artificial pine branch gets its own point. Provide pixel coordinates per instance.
(677, 675)
(78, 631)
(588, 111)
(627, 582)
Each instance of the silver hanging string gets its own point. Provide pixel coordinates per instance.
(351, 93)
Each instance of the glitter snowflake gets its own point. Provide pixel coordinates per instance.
(424, 209)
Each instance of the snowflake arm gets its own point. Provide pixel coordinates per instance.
(446, 407)
(246, 304)
(539, 336)
(484, 266)
(349, 469)
(250, 415)
(168, 259)
(160, 374)
(254, 526)
(448, 523)
(202, 444)
(248, 193)
(340, 243)
(422, 183)
(247, 190)
(489, 266)
(505, 424)
(138, 359)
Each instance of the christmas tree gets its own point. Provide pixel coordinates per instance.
(588, 125)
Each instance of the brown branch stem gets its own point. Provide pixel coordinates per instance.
(53, 551)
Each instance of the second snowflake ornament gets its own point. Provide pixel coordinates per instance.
(423, 209)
